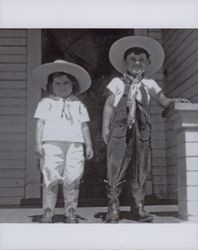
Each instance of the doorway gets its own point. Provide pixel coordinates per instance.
(88, 48)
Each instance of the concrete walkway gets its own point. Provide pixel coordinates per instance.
(161, 214)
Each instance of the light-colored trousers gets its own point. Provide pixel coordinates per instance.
(63, 163)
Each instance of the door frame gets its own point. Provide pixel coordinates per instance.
(32, 188)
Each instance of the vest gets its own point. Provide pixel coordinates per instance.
(118, 125)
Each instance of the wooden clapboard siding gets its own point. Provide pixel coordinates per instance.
(12, 145)
(12, 173)
(157, 135)
(159, 162)
(14, 33)
(159, 172)
(9, 67)
(12, 154)
(12, 93)
(13, 102)
(12, 84)
(10, 192)
(181, 68)
(13, 75)
(11, 200)
(13, 108)
(13, 58)
(16, 119)
(160, 190)
(14, 50)
(12, 127)
(12, 164)
(194, 98)
(12, 182)
(12, 41)
(12, 137)
(174, 41)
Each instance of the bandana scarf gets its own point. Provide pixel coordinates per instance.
(65, 112)
(135, 84)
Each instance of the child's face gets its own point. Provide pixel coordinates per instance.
(62, 86)
(136, 64)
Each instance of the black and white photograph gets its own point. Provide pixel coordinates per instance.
(98, 125)
(98, 133)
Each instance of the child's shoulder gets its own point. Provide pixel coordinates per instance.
(152, 86)
(47, 99)
(147, 79)
(76, 101)
(47, 102)
(149, 82)
(115, 82)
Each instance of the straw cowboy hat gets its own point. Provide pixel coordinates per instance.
(154, 49)
(41, 73)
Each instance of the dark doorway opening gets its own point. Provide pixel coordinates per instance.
(88, 48)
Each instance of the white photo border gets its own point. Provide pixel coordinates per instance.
(99, 14)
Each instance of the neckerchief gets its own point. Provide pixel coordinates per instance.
(65, 111)
(135, 84)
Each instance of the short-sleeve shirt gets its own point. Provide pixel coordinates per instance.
(116, 86)
(63, 119)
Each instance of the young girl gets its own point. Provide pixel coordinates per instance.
(61, 131)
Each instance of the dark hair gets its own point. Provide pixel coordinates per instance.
(57, 74)
(135, 50)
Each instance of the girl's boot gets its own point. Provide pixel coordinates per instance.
(47, 216)
(71, 216)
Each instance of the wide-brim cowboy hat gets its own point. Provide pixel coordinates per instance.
(41, 73)
(154, 49)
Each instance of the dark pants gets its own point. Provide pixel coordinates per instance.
(131, 154)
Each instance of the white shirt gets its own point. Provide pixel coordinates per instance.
(63, 119)
(116, 86)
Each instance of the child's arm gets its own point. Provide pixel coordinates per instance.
(107, 115)
(39, 134)
(88, 142)
(165, 101)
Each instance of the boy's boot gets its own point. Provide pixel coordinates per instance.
(113, 211)
(138, 213)
(71, 216)
(47, 216)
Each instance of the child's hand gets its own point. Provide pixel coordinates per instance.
(39, 150)
(180, 100)
(89, 152)
(105, 135)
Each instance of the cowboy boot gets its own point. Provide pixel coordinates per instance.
(47, 217)
(138, 213)
(113, 211)
(71, 216)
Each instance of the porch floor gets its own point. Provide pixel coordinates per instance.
(161, 214)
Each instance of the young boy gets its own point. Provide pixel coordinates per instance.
(61, 131)
(126, 120)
